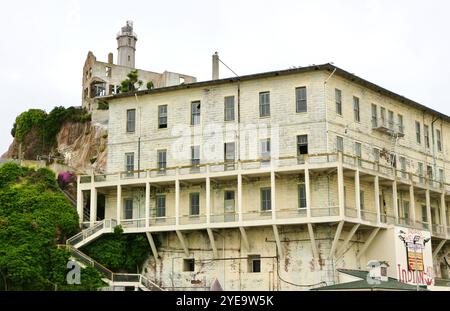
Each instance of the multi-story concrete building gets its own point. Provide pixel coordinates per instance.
(104, 78)
(273, 181)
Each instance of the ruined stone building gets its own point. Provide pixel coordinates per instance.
(272, 181)
(104, 78)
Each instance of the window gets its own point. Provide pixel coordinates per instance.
(266, 199)
(131, 120)
(429, 172)
(339, 144)
(420, 172)
(160, 206)
(229, 155)
(108, 71)
(406, 211)
(162, 159)
(418, 132)
(300, 99)
(403, 166)
(195, 112)
(438, 140)
(194, 199)
(383, 116)
(189, 265)
(195, 155)
(129, 58)
(264, 104)
(129, 162)
(162, 116)
(391, 119)
(376, 154)
(264, 148)
(356, 109)
(338, 97)
(424, 213)
(254, 263)
(426, 136)
(374, 116)
(441, 175)
(361, 200)
(302, 196)
(358, 151)
(229, 108)
(302, 144)
(128, 211)
(400, 123)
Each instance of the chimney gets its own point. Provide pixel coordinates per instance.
(110, 58)
(215, 66)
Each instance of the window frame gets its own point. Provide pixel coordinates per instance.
(230, 110)
(131, 122)
(356, 109)
(302, 198)
(194, 207)
(264, 200)
(160, 210)
(196, 112)
(301, 145)
(301, 99)
(158, 159)
(418, 132)
(339, 138)
(264, 106)
(338, 101)
(161, 116)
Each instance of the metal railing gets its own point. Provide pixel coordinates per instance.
(291, 213)
(108, 274)
(438, 230)
(86, 233)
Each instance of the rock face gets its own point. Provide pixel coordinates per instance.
(81, 146)
(82, 143)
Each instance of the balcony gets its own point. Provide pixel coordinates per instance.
(386, 127)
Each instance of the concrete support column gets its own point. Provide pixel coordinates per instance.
(93, 216)
(377, 198)
(80, 202)
(119, 204)
(412, 203)
(395, 200)
(208, 200)
(308, 192)
(340, 174)
(428, 203)
(177, 202)
(272, 193)
(358, 194)
(147, 204)
(443, 211)
(239, 197)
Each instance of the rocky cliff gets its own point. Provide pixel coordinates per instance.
(79, 145)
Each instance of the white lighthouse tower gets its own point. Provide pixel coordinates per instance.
(126, 46)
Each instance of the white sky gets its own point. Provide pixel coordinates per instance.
(402, 45)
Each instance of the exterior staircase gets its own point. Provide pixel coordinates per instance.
(111, 278)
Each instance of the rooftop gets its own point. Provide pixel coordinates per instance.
(324, 67)
(392, 284)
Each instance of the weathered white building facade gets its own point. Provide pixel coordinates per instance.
(273, 181)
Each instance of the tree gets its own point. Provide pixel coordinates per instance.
(150, 85)
(35, 216)
(129, 84)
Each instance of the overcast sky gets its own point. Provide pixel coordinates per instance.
(402, 45)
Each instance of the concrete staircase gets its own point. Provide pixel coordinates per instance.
(135, 280)
(88, 235)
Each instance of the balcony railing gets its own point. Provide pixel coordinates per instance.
(370, 216)
(325, 211)
(351, 212)
(438, 230)
(291, 213)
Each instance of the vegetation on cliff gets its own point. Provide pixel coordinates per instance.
(35, 217)
(37, 129)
